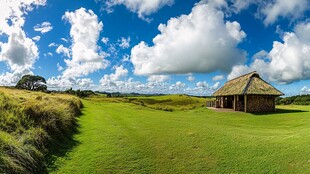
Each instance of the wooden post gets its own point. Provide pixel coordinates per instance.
(274, 103)
(245, 102)
(222, 102)
(235, 101)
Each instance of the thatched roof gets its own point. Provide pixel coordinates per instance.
(249, 83)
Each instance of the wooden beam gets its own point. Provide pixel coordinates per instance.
(245, 102)
(235, 101)
(222, 102)
(274, 103)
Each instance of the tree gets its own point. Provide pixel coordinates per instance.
(33, 83)
(70, 91)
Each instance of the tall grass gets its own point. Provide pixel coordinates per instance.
(29, 122)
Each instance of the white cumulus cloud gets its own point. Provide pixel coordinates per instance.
(53, 44)
(198, 42)
(105, 40)
(216, 86)
(158, 78)
(19, 51)
(11, 78)
(44, 27)
(141, 7)
(218, 77)
(190, 78)
(63, 83)
(63, 50)
(287, 62)
(204, 84)
(153, 86)
(120, 71)
(202, 89)
(112, 79)
(239, 5)
(36, 38)
(64, 39)
(271, 11)
(86, 56)
(48, 54)
(178, 86)
(284, 8)
(59, 68)
(305, 90)
(14, 11)
(124, 43)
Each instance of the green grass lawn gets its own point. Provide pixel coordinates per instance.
(127, 138)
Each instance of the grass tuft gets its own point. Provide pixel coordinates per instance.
(29, 123)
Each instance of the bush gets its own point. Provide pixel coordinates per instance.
(297, 100)
(29, 122)
(80, 93)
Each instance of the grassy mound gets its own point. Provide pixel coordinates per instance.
(170, 102)
(29, 121)
(165, 102)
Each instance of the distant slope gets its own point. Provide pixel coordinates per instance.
(175, 102)
(29, 122)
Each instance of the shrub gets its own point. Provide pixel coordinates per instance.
(28, 123)
(80, 93)
(297, 100)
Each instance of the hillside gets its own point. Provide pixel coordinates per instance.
(31, 123)
(116, 136)
(43, 133)
(163, 102)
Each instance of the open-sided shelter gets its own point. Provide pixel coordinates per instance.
(248, 93)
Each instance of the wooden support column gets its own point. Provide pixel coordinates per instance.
(235, 101)
(222, 102)
(245, 102)
(274, 103)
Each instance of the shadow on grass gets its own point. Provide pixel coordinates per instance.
(61, 146)
(280, 111)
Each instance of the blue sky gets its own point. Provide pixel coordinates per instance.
(160, 46)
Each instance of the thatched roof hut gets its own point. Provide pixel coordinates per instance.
(247, 93)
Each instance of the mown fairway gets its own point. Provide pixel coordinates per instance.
(127, 138)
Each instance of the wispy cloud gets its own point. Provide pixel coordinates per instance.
(43, 28)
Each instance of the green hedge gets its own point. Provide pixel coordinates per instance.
(297, 100)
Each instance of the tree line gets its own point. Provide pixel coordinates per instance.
(297, 100)
(38, 83)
